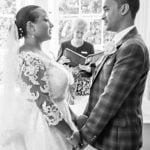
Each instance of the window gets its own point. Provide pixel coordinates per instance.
(90, 11)
(63, 12)
(7, 11)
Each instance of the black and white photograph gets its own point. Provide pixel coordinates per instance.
(74, 75)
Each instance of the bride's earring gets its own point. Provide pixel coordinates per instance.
(20, 32)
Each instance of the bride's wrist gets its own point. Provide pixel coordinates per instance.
(64, 128)
(70, 137)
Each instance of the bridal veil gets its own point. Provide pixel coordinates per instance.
(10, 107)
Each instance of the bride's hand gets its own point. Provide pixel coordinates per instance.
(74, 140)
(81, 143)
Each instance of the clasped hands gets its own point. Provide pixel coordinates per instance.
(76, 141)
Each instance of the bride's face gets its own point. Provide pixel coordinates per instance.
(42, 26)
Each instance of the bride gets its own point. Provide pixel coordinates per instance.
(34, 113)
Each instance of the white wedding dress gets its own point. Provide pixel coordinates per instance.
(33, 124)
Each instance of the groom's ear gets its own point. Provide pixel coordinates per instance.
(124, 9)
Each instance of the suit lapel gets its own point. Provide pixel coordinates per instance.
(105, 57)
(99, 67)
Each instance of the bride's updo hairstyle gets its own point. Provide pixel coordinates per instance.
(24, 15)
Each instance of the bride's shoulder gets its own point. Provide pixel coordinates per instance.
(26, 54)
(30, 58)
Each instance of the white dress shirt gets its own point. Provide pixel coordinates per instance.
(121, 34)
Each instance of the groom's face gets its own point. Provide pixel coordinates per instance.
(111, 15)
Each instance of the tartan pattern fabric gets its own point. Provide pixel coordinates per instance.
(127, 139)
(114, 106)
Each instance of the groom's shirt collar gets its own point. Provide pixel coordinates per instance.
(121, 34)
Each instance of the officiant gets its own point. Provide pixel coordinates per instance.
(78, 45)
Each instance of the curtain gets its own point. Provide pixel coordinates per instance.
(143, 22)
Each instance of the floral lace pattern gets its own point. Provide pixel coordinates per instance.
(51, 114)
(34, 75)
(110, 48)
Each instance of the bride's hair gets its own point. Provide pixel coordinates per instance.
(24, 15)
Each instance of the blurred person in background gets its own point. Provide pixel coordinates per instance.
(80, 46)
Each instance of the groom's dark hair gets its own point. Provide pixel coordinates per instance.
(133, 6)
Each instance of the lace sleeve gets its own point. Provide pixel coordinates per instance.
(35, 77)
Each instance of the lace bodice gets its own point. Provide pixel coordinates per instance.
(44, 82)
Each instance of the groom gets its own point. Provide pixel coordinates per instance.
(114, 108)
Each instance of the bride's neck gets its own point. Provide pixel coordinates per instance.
(32, 44)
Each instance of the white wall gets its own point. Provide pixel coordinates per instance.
(143, 21)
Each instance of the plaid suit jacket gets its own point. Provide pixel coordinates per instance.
(114, 106)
